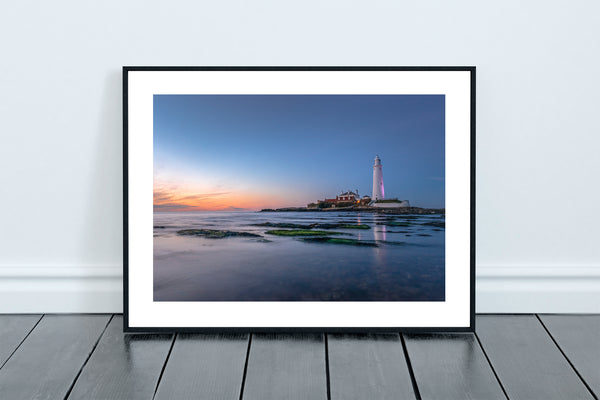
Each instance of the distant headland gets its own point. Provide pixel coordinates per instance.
(359, 208)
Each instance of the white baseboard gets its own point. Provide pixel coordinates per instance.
(562, 289)
(61, 289)
(99, 289)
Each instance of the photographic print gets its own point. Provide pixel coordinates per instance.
(299, 198)
(282, 198)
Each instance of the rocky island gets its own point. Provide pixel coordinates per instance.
(352, 201)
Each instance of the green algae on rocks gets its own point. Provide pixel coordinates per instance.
(340, 226)
(332, 240)
(215, 234)
(301, 232)
(283, 225)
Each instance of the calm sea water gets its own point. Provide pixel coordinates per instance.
(407, 264)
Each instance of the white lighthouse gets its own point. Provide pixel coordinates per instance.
(378, 193)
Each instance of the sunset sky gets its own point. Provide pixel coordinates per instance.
(249, 152)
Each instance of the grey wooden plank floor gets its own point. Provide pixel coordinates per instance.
(509, 356)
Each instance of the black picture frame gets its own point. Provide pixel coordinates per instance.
(127, 179)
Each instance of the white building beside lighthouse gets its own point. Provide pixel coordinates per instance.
(378, 193)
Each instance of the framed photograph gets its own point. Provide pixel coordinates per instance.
(299, 198)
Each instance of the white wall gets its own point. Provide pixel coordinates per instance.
(538, 99)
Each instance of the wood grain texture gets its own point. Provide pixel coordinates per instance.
(123, 366)
(286, 367)
(205, 367)
(368, 366)
(526, 360)
(579, 338)
(48, 361)
(451, 366)
(13, 329)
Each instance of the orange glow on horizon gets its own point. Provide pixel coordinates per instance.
(174, 197)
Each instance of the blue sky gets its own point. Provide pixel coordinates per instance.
(259, 151)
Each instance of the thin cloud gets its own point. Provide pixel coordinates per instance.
(202, 196)
(161, 196)
(173, 207)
